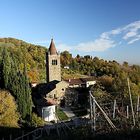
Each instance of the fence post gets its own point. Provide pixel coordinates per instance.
(10, 137)
(91, 111)
(138, 102)
(90, 100)
(114, 109)
(127, 112)
(22, 134)
(94, 114)
(130, 96)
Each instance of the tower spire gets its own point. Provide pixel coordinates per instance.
(52, 49)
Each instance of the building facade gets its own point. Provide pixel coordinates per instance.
(53, 66)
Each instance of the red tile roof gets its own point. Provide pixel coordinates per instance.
(75, 81)
(79, 81)
(52, 49)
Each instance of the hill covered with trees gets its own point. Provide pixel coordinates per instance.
(22, 63)
(34, 55)
(15, 67)
(111, 76)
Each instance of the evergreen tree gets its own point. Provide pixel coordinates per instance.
(6, 67)
(17, 82)
(27, 91)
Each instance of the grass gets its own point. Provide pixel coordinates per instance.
(61, 115)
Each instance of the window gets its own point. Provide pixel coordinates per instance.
(54, 62)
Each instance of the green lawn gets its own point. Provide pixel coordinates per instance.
(61, 115)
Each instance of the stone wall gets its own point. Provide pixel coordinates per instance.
(53, 71)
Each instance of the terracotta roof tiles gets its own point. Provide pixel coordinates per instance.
(52, 49)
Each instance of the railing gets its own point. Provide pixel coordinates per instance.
(34, 135)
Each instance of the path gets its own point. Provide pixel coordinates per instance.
(68, 112)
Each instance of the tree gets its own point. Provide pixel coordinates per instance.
(17, 82)
(27, 91)
(66, 58)
(9, 115)
(99, 93)
(36, 121)
(6, 67)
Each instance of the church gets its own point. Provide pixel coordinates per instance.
(57, 92)
(50, 94)
(53, 75)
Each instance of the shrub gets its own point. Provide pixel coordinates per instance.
(36, 121)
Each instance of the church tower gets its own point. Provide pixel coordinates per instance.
(53, 67)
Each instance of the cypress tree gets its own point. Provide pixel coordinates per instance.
(22, 96)
(6, 66)
(27, 91)
(1, 74)
(17, 82)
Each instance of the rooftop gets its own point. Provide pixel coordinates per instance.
(52, 49)
(79, 80)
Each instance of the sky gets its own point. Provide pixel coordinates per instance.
(108, 29)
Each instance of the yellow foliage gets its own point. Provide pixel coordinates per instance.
(8, 110)
(33, 75)
(36, 121)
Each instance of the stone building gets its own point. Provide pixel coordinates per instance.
(51, 93)
(81, 82)
(53, 66)
(56, 91)
(53, 75)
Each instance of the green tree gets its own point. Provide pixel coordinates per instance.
(17, 82)
(6, 67)
(66, 58)
(100, 94)
(36, 121)
(27, 91)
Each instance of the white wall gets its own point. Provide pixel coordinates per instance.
(48, 113)
(90, 83)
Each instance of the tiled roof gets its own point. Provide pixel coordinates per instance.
(75, 81)
(79, 81)
(52, 49)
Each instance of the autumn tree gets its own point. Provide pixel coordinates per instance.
(9, 115)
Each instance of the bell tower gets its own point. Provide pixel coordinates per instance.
(53, 66)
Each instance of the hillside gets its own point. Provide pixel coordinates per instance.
(20, 60)
(35, 59)
(111, 75)
(34, 54)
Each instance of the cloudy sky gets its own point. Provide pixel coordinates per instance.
(108, 29)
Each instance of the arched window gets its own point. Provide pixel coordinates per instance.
(54, 62)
